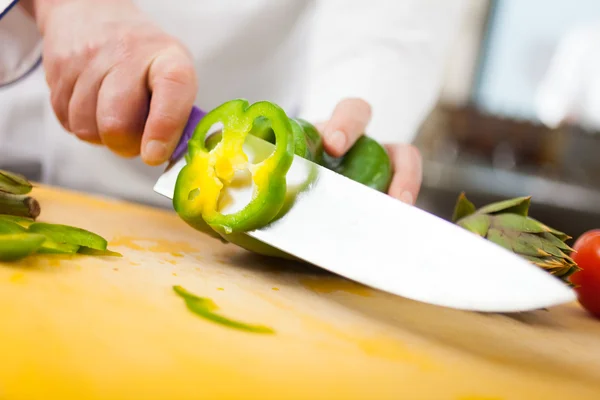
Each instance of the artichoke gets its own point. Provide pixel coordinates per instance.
(507, 224)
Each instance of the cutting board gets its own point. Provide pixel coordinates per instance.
(83, 327)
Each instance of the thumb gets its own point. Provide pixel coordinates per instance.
(172, 81)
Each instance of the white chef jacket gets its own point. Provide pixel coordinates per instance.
(305, 55)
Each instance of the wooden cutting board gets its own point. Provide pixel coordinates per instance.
(80, 327)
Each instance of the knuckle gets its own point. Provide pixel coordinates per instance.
(112, 125)
(177, 73)
(357, 106)
(164, 124)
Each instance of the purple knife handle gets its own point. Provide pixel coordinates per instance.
(195, 116)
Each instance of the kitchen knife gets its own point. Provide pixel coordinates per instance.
(367, 236)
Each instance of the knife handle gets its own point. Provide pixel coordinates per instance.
(195, 116)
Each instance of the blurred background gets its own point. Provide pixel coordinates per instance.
(519, 112)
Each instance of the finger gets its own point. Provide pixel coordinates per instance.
(172, 81)
(82, 106)
(122, 109)
(61, 88)
(408, 172)
(348, 122)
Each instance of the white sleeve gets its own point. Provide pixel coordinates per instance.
(20, 43)
(390, 53)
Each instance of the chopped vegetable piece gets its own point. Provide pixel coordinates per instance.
(69, 234)
(14, 183)
(199, 184)
(52, 247)
(93, 252)
(16, 246)
(205, 308)
(10, 227)
(23, 221)
(19, 205)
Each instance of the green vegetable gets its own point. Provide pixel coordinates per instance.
(19, 205)
(18, 215)
(206, 308)
(14, 183)
(199, 185)
(367, 162)
(100, 253)
(15, 246)
(211, 164)
(70, 235)
(9, 227)
(23, 221)
(52, 247)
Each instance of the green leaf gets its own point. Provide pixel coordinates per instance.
(14, 183)
(463, 208)
(560, 235)
(518, 205)
(205, 308)
(69, 234)
(509, 240)
(476, 223)
(16, 246)
(519, 223)
(556, 241)
(541, 243)
(496, 236)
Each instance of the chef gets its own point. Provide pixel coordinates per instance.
(97, 92)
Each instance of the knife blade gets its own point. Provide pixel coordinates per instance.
(367, 236)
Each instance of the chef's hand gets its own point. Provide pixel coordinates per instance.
(115, 77)
(348, 123)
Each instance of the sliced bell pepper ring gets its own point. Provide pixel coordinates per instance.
(200, 183)
(212, 162)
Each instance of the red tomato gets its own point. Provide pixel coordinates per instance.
(587, 256)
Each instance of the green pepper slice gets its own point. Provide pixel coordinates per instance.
(68, 239)
(200, 183)
(15, 246)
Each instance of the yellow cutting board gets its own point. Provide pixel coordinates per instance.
(82, 327)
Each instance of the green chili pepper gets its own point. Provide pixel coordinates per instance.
(15, 246)
(200, 182)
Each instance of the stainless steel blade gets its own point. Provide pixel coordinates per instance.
(367, 236)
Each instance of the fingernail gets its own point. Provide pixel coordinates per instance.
(155, 151)
(337, 139)
(407, 197)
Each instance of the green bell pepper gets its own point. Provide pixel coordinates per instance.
(211, 163)
(200, 183)
(15, 246)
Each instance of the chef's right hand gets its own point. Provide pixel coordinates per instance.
(115, 77)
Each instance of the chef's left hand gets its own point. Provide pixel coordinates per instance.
(348, 123)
